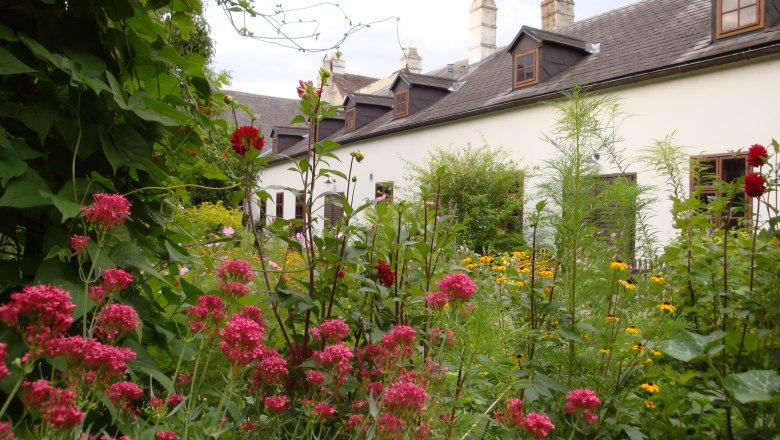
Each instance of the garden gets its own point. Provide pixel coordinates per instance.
(143, 298)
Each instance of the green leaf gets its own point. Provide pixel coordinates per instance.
(754, 386)
(632, 431)
(68, 208)
(691, 345)
(10, 166)
(26, 191)
(7, 33)
(10, 65)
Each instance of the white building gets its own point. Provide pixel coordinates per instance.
(706, 70)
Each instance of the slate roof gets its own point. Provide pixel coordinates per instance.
(552, 37)
(348, 82)
(417, 79)
(646, 40)
(366, 99)
(290, 130)
(270, 111)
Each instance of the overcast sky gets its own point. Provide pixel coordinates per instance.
(437, 28)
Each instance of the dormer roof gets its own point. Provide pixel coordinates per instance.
(289, 130)
(542, 37)
(416, 79)
(365, 99)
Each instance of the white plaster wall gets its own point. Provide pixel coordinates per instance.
(713, 111)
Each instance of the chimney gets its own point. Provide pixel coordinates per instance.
(411, 60)
(557, 14)
(482, 30)
(334, 63)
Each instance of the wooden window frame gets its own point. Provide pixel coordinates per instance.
(710, 190)
(385, 184)
(527, 82)
(350, 118)
(399, 112)
(739, 30)
(275, 144)
(280, 205)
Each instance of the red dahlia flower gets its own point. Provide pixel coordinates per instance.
(755, 185)
(245, 138)
(757, 155)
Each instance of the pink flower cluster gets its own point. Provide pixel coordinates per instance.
(437, 300)
(539, 425)
(56, 406)
(78, 243)
(332, 331)
(241, 339)
(338, 359)
(446, 336)
(405, 398)
(389, 426)
(458, 286)
(323, 411)
(123, 394)
(207, 314)
(234, 276)
(112, 281)
(270, 368)
(39, 312)
(315, 378)
(115, 322)
(253, 313)
(3, 367)
(166, 435)
(400, 340)
(276, 403)
(96, 362)
(107, 210)
(584, 400)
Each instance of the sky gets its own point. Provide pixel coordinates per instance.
(437, 28)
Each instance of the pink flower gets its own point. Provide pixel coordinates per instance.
(245, 138)
(183, 379)
(314, 377)
(458, 286)
(405, 398)
(355, 421)
(234, 288)
(5, 431)
(227, 230)
(107, 210)
(78, 243)
(276, 403)
(175, 400)
(437, 300)
(512, 414)
(447, 336)
(332, 331)
(254, 313)
(338, 359)
(270, 370)
(3, 367)
(388, 424)
(123, 394)
(324, 411)
(56, 406)
(757, 155)
(40, 312)
(538, 424)
(423, 431)
(113, 280)
(241, 337)
(89, 358)
(590, 417)
(374, 389)
(583, 398)
(157, 403)
(399, 336)
(166, 435)
(235, 270)
(116, 321)
(207, 314)
(305, 89)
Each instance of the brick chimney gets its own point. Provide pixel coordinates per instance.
(334, 63)
(482, 30)
(411, 60)
(557, 14)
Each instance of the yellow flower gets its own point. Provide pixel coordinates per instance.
(629, 284)
(472, 266)
(612, 318)
(467, 260)
(546, 273)
(650, 387)
(523, 269)
(519, 283)
(447, 306)
(658, 279)
(639, 347)
(498, 267)
(667, 307)
(618, 265)
(585, 337)
(633, 330)
(518, 358)
(486, 259)
(501, 279)
(552, 323)
(604, 350)
(549, 335)
(520, 254)
(655, 352)
(649, 404)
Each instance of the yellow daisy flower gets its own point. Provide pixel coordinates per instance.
(629, 284)
(467, 260)
(667, 307)
(633, 330)
(650, 387)
(523, 269)
(655, 352)
(472, 266)
(519, 283)
(604, 350)
(649, 404)
(612, 318)
(520, 254)
(486, 259)
(501, 279)
(658, 279)
(618, 265)
(639, 347)
(498, 268)
(546, 273)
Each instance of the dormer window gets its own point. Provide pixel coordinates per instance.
(738, 16)
(349, 119)
(401, 103)
(526, 68)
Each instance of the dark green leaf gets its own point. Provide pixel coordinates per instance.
(26, 191)
(754, 386)
(10, 65)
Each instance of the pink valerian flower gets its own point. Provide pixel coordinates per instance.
(467, 309)
(183, 379)
(355, 422)
(96, 362)
(447, 336)
(423, 431)
(338, 359)
(233, 277)
(405, 398)
(175, 400)
(590, 417)
(40, 312)
(276, 403)
(157, 403)
(400, 340)
(5, 431)
(207, 314)
(538, 424)
(512, 413)
(437, 300)
(581, 398)
(459, 286)
(78, 243)
(332, 331)
(241, 337)
(115, 322)
(389, 425)
(107, 210)
(4, 372)
(56, 406)
(323, 411)
(249, 426)
(270, 370)
(374, 389)
(113, 280)
(255, 314)
(384, 273)
(234, 288)
(757, 155)
(123, 394)
(106, 437)
(166, 435)
(246, 138)
(315, 378)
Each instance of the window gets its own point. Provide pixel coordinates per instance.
(275, 144)
(333, 209)
(299, 205)
(526, 68)
(384, 189)
(401, 103)
(280, 205)
(349, 120)
(263, 215)
(727, 168)
(737, 16)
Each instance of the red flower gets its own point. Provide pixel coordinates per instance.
(276, 403)
(304, 88)
(385, 275)
(4, 372)
(40, 312)
(107, 210)
(324, 411)
(241, 338)
(122, 394)
(459, 286)
(755, 185)
(757, 155)
(332, 331)
(245, 138)
(538, 424)
(78, 243)
(116, 321)
(56, 406)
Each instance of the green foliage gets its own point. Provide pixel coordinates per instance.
(483, 188)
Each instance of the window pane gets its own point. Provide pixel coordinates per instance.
(732, 169)
(729, 21)
(743, 3)
(748, 16)
(706, 172)
(521, 62)
(529, 73)
(730, 5)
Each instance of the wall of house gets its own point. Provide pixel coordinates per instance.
(713, 111)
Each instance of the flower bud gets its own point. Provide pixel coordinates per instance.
(228, 99)
(358, 155)
(354, 178)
